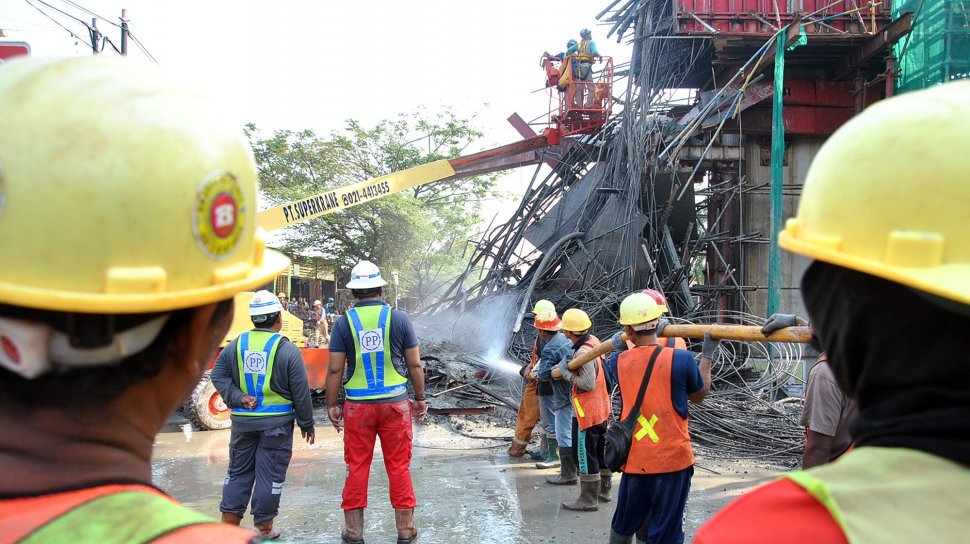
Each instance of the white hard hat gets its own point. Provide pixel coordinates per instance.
(264, 303)
(365, 275)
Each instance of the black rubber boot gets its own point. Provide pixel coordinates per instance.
(567, 471)
(606, 485)
(589, 487)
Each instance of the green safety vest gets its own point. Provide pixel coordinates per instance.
(255, 357)
(374, 374)
(127, 516)
(889, 495)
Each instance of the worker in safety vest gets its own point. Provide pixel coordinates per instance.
(656, 477)
(583, 87)
(529, 411)
(378, 348)
(888, 236)
(127, 223)
(262, 377)
(591, 410)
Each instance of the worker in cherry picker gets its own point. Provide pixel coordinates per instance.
(584, 51)
(562, 76)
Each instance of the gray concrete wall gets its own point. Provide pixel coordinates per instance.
(756, 218)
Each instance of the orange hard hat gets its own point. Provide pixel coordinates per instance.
(547, 321)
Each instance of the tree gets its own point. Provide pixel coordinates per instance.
(415, 232)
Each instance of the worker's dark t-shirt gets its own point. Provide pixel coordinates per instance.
(402, 338)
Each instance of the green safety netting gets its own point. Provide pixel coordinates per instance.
(938, 49)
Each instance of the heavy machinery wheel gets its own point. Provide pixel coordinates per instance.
(205, 407)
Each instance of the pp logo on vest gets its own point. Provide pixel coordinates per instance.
(372, 340)
(254, 362)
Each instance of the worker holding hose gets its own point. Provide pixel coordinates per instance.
(591, 410)
(883, 215)
(656, 476)
(620, 345)
(529, 410)
(556, 348)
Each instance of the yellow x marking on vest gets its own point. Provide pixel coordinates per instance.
(647, 428)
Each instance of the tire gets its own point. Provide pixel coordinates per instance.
(205, 407)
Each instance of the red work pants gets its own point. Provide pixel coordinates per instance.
(363, 423)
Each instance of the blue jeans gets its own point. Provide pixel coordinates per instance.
(564, 426)
(546, 414)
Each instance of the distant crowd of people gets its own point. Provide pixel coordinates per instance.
(317, 319)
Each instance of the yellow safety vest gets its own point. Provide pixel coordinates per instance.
(374, 374)
(255, 357)
(884, 495)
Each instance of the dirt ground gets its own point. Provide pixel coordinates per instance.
(468, 489)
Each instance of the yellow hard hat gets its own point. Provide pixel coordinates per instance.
(547, 321)
(887, 194)
(575, 320)
(122, 191)
(639, 308)
(543, 306)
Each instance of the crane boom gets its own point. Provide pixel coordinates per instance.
(340, 198)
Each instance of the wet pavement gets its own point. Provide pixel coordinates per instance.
(468, 490)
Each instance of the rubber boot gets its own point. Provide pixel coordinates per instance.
(567, 472)
(606, 485)
(516, 449)
(231, 519)
(406, 532)
(353, 527)
(540, 453)
(266, 531)
(620, 539)
(552, 455)
(589, 487)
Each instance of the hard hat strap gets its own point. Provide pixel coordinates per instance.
(32, 348)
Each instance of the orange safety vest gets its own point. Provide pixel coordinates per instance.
(661, 442)
(672, 342)
(116, 513)
(592, 407)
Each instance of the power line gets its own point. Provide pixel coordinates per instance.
(89, 12)
(142, 47)
(58, 23)
(66, 14)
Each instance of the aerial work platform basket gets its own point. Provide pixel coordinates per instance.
(585, 103)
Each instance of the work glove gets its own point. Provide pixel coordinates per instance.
(535, 372)
(618, 343)
(710, 344)
(779, 321)
(564, 369)
(661, 326)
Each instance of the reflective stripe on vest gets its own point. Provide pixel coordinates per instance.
(582, 51)
(592, 407)
(255, 358)
(892, 495)
(661, 442)
(129, 514)
(374, 374)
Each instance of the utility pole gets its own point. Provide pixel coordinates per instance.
(95, 35)
(124, 31)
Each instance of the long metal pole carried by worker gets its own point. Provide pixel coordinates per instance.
(747, 333)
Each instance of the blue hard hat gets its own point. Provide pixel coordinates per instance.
(585, 33)
(329, 299)
(571, 43)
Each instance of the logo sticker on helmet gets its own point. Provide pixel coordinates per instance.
(219, 214)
